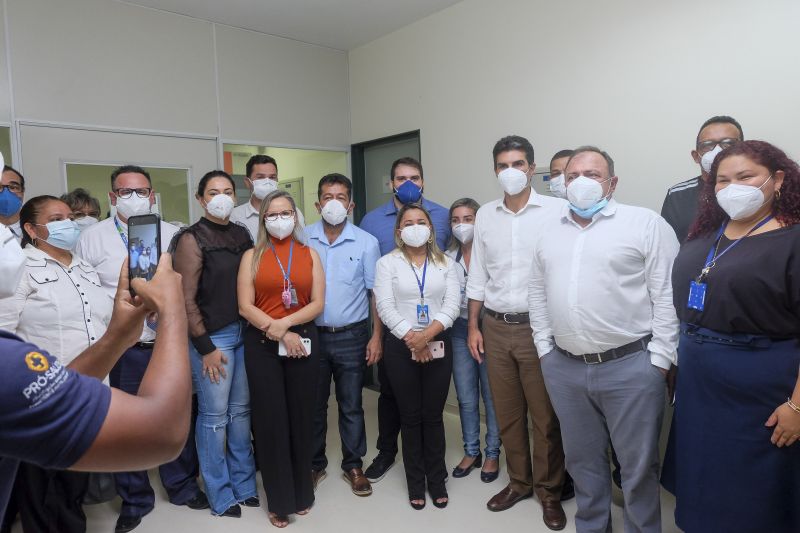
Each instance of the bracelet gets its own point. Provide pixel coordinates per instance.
(794, 406)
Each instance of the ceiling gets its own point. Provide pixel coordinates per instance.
(339, 24)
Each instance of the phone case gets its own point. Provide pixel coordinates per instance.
(437, 349)
(306, 344)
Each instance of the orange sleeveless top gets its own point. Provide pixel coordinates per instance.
(269, 278)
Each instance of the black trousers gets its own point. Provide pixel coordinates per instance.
(50, 501)
(421, 391)
(282, 400)
(388, 413)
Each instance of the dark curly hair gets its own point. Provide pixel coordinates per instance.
(786, 208)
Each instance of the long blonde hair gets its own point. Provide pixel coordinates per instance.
(263, 237)
(433, 251)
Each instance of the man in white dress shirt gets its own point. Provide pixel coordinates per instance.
(104, 246)
(600, 303)
(502, 249)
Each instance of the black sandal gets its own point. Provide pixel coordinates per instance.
(437, 494)
(417, 506)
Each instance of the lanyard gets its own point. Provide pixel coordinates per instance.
(712, 257)
(288, 271)
(420, 284)
(121, 233)
(458, 262)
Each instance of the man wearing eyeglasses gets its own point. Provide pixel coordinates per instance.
(12, 192)
(105, 246)
(680, 206)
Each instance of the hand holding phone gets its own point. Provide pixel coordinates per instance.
(283, 352)
(144, 246)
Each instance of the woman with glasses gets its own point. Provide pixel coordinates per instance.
(85, 207)
(207, 255)
(469, 376)
(417, 296)
(281, 290)
(61, 307)
(733, 461)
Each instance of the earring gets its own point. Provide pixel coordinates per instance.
(778, 194)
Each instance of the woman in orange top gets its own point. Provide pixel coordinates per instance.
(281, 290)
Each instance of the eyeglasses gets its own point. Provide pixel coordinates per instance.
(144, 192)
(285, 215)
(707, 146)
(79, 215)
(13, 187)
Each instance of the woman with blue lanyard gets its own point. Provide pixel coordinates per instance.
(470, 377)
(281, 288)
(417, 297)
(733, 462)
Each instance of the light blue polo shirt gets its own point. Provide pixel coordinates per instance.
(349, 265)
(380, 223)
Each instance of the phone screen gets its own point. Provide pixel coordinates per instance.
(144, 246)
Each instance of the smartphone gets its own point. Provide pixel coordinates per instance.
(144, 246)
(436, 348)
(306, 344)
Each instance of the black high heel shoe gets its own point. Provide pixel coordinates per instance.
(417, 506)
(437, 495)
(464, 472)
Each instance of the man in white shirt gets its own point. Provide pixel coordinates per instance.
(262, 179)
(12, 193)
(502, 249)
(104, 246)
(600, 303)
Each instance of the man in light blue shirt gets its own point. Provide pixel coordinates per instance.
(349, 256)
(408, 184)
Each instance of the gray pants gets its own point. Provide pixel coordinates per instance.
(623, 398)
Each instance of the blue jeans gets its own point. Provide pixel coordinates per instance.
(342, 356)
(223, 424)
(471, 378)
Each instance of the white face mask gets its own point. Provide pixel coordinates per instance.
(464, 232)
(264, 186)
(741, 201)
(280, 228)
(583, 192)
(513, 180)
(558, 187)
(133, 206)
(220, 206)
(334, 212)
(12, 262)
(708, 158)
(415, 235)
(85, 222)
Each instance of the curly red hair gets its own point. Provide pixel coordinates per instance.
(786, 208)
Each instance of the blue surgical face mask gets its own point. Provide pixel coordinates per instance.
(408, 193)
(9, 203)
(589, 212)
(63, 233)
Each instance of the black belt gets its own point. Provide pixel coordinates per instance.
(610, 355)
(145, 345)
(339, 329)
(508, 318)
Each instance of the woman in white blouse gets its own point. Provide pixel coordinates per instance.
(60, 306)
(417, 296)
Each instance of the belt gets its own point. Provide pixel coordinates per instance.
(148, 345)
(508, 318)
(339, 329)
(610, 355)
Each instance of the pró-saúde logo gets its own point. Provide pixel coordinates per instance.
(37, 362)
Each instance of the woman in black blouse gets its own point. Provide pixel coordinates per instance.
(732, 463)
(207, 254)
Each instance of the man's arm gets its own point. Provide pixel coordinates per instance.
(537, 309)
(661, 247)
(149, 429)
(476, 290)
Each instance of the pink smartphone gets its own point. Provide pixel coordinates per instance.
(437, 349)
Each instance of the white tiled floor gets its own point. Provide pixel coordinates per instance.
(386, 511)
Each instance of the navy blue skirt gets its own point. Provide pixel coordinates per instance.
(725, 473)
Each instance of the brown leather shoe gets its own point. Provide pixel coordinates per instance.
(506, 499)
(553, 515)
(359, 484)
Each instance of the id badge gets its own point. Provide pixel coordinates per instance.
(697, 296)
(464, 297)
(293, 294)
(423, 319)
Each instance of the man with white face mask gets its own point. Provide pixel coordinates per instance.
(600, 303)
(105, 246)
(262, 179)
(347, 344)
(557, 181)
(502, 250)
(680, 205)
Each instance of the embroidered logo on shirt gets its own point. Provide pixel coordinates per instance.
(37, 362)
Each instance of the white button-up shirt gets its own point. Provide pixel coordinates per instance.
(463, 275)
(247, 216)
(606, 285)
(502, 250)
(102, 246)
(62, 309)
(397, 293)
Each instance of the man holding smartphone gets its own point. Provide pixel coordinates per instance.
(105, 246)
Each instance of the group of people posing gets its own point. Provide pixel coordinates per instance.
(572, 308)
